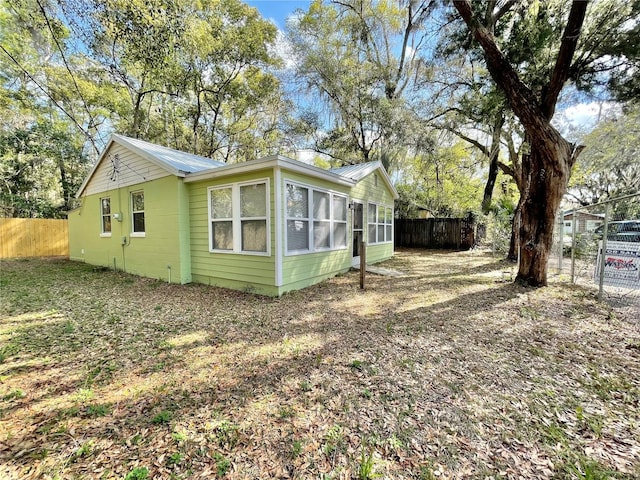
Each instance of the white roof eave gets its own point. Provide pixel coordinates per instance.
(270, 162)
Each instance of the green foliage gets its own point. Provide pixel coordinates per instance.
(138, 473)
(161, 418)
(361, 58)
(608, 167)
(222, 464)
(98, 410)
(367, 465)
(442, 183)
(227, 434)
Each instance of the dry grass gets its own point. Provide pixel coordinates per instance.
(449, 372)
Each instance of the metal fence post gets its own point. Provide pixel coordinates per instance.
(560, 246)
(573, 246)
(605, 229)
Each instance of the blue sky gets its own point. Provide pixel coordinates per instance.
(278, 10)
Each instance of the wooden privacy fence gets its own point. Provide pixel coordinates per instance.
(452, 233)
(33, 237)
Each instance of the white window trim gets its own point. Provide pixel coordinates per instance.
(236, 219)
(102, 215)
(377, 224)
(310, 219)
(137, 234)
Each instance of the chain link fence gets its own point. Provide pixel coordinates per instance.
(601, 247)
(597, 246)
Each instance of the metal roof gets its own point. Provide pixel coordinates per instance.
(358, 171)
(177, 160)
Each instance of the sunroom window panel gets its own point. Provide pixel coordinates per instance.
(321, 235)
(297, 202)
(388, 232)
(340, 208)
(254, 235)
(297, 235)
(372, 234)
(252, 200)
(321, 206)
(380, 233)
(371, 213)
(340, 235)
(222, 235)
(381, 214)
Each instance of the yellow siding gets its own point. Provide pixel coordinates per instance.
(366, 189)
(33, 237)
(232, 270)
(160, 253)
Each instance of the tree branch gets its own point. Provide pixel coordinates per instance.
(562, 68)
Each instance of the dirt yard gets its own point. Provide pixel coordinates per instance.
(450, 371)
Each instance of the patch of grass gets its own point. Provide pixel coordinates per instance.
(175, 458)
(333, 440)
(85, 450)
(583, 468)
(286, 412)
(179, 437)
(14, 395)
(367, 464)
(296, 448)
(98, 410)
(357, 365)
(222, 464)
(608, 387)
(162, 418)
(138, 473)
(227, 434)
(83, 395)
(305, 386)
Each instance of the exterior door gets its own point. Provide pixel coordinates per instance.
(357, 218)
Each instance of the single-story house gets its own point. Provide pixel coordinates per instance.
(585, 222)
(268, 226)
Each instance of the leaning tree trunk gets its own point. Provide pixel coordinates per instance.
(546, 176)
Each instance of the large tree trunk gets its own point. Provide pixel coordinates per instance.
(546, 173)
(546, 176)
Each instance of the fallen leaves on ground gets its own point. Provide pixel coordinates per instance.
(447, 372)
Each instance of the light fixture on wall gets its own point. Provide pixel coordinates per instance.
(117, 216)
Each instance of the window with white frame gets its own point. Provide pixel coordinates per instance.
(380, 223)
(105, 213)
(137, 213)
(316, 219)
(238, 218)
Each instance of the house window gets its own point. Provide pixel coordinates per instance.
(105, 212)
(316, 219)
(339, 225)
(137, 212)
(297, 218)
(221, 219)
(253, 217)
(238, 218)
(380, 223)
